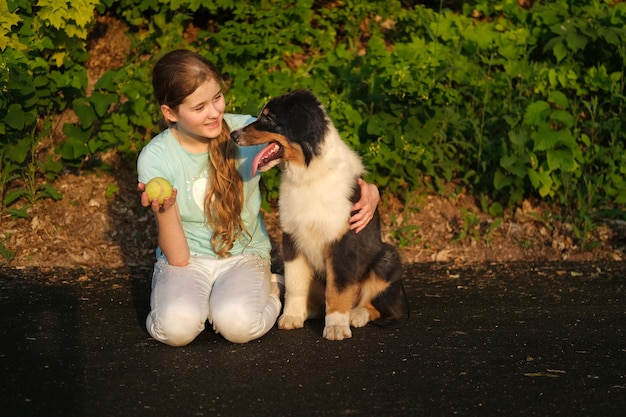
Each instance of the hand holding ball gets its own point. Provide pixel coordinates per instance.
(159, 188)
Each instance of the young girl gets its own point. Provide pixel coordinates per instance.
(213, 255)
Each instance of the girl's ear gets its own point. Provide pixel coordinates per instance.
(168, 113)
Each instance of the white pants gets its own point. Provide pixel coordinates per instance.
(233, 294)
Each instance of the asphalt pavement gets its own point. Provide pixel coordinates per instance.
(484, 340)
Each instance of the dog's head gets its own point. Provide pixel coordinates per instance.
(293, 125)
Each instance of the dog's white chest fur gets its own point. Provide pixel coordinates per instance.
(315, 201)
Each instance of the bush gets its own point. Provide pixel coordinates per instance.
(507, 102)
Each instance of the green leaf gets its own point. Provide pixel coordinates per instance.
(514, 164)
(96, 145)
(545, 138)
(559, 98)
(48, 191)
(541, 181)
(13, 195)
(562, 117)
(559, 51)
(19, 213)
(379, 125)
(500, 180)
(575, 41)
(561, 159)
(536, 113)
(584, 138)
(75, 147)
(565, 137)
(107, 82)
(15, 117)
(20, 150)
(47, 43)
(139, 105)
(85, 112)
(519, 138)
(71, 150)
(102, 102)
(60, 79)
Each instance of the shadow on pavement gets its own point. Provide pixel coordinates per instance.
(40, 356)
(490, 339)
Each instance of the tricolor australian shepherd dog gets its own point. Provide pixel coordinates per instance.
(353, 277)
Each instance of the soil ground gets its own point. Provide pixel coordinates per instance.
(99, 221)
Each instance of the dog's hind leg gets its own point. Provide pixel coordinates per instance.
(391, 303)
(360, 316)
(298, 280)
(364, 312)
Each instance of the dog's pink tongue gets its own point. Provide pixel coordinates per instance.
(255, 163)
(265, 155)
(258, 160)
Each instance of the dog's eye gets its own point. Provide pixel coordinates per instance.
(269, 118)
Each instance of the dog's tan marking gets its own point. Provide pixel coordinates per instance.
(292, 151)
(364, 311)
(338, 308)
(369, 289)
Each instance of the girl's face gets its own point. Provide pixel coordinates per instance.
(199, 116)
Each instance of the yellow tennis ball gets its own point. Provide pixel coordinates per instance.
(159, 188)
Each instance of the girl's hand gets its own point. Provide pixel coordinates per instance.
(365, 207)
(171, 236)
(154, 204)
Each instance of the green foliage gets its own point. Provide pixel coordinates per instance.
(8, 19)
(509, 103)
(53, 29)
(119, 113)
(473, 228)
(41, 72)
(403, 231)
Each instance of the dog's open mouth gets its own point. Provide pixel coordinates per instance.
(269, 157)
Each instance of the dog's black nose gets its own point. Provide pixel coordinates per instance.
(234, 135)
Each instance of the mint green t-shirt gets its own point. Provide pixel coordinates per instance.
(164, 157)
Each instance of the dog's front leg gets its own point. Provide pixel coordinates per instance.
(338, 307)
(298, 277)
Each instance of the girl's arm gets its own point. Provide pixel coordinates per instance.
(365, 207)
(171, 237)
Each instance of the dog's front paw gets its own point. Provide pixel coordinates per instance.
(359, 317)
(337, 332)
(286, 322)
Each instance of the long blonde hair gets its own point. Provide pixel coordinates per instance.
(175, 76)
